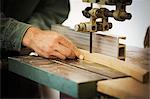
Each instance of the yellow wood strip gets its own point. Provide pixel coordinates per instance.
(122, 66)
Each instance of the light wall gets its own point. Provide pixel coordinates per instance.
(133, 29)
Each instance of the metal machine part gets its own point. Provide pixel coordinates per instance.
(119, 14)
(109, 2)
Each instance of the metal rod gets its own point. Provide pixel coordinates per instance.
(91, 35)
(91, 5)
(90, 42)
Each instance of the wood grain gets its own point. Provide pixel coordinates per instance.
(139, 57)
(124, 88)
(122, 66)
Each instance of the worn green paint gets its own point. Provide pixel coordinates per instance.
(43, 77)
(82, 90)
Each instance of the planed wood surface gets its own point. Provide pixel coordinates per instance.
(124, 67)
(109, 45)
(139, 57)
(124, 88)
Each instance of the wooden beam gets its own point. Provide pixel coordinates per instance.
(122, 66)
(109, 44)
(124, 88)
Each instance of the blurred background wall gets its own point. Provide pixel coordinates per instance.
(133, 29)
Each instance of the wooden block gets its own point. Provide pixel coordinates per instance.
(124, 88)
(108, 44)
(122, 66)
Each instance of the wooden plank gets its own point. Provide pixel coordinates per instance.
(124, 88)
(71, 80)
(109, 45)
(122, 66)
(139, 56)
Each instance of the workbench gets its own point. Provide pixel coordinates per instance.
(78, 78)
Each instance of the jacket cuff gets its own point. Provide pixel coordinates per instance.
(15, 32)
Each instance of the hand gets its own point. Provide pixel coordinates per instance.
(49, 43)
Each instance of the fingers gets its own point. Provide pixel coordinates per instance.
(52, 55)
(59, 55)
(51, 43)
(67, 43)
(58, 51)
(67, 52)
(41, 53)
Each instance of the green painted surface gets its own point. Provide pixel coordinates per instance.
(49, 79)
(72, 83)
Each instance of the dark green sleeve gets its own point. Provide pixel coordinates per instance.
(12, 32)
(50, 12)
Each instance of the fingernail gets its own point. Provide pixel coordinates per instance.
(81, 57)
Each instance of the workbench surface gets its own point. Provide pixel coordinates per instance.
(76, 78)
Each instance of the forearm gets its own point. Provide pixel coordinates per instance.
(30, 36)
(12, 32)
